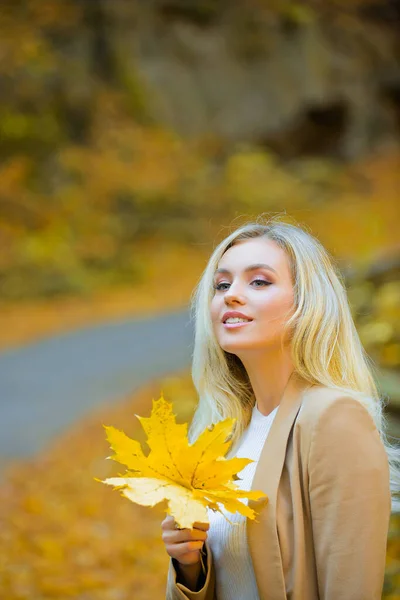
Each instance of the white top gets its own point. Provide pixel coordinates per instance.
(235, 579)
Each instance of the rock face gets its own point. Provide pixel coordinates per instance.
(304, 85)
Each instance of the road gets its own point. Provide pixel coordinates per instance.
(48, 385)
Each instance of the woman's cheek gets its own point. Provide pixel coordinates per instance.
(214, 318)
(213, 312)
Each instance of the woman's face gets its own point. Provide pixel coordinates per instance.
(263, 294)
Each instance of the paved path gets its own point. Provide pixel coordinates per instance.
(46, 386)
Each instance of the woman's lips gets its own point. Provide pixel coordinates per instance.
(235, 325)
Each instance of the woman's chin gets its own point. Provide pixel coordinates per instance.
(235, 346)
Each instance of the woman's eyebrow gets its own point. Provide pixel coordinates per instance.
(249, 268)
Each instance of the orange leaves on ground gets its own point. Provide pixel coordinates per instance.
(62, 535)
(191, 477)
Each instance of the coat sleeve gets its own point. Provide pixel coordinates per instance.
(350, 502)
(178, 591)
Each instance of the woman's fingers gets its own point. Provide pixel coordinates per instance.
(169, 524)
(202, 526)
(183, 544)
(182, 548)
(172, 535)
(185, 535)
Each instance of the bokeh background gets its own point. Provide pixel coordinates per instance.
(133, 137)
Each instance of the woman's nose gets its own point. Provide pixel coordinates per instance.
(234, 294)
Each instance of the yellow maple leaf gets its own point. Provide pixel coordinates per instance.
(191, 477)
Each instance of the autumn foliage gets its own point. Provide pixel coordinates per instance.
(87, 176)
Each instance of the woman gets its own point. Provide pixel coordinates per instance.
(276, 348)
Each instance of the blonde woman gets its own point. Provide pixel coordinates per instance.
(276, 348)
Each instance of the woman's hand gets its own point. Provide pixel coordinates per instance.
(184, 544)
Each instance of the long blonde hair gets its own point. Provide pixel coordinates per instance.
(326, 348)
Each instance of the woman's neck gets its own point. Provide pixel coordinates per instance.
(269, 374)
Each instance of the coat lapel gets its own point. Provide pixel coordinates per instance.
(262, 533)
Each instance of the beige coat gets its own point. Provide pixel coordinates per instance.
(322, 534)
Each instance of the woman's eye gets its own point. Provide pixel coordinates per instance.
(218, 286)
(261, 281)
